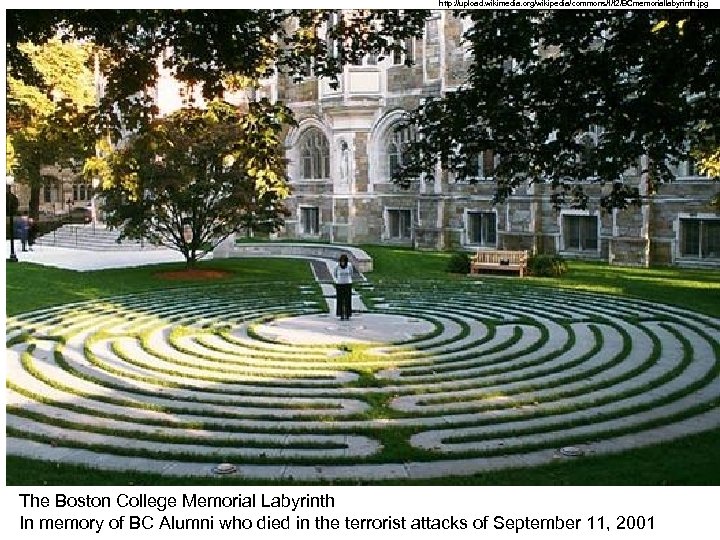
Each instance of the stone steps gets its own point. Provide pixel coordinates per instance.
(92, 238)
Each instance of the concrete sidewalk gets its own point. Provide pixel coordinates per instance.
(83, 260)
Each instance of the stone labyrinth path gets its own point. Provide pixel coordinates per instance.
(469, 377)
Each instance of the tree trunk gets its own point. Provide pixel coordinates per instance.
(34, 204)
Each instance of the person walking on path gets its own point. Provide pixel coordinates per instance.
(343, 287)
(22, 230)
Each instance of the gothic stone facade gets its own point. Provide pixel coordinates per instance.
(342, 152)
(345, 146)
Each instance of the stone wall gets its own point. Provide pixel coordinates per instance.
(527, 220)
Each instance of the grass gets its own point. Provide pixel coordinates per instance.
(30, 286)
(696, 289)
(693, 460)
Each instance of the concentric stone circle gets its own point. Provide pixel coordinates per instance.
(487, 376)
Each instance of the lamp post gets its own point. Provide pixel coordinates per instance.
(93, 201)
(11, 205)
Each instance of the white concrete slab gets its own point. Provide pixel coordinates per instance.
(84, 260)
(321, 329)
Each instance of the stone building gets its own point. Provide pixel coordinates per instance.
(344, 148)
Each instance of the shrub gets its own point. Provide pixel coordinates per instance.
(547, 266)
(459, 263)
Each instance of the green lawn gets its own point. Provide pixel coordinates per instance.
(30, 286)
(694, 460)
(695, 289)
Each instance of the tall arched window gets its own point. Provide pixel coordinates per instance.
(314, 155)
(396, 148)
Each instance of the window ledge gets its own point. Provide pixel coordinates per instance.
(311, 180)
(695, 259)
(588, 254)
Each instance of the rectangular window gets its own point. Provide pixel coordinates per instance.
(47, 193)
(399, 57)
(81, 192)
(400, 224)
(482, 228)
(431, 28)
(466, 45)
(332, 43)
(367, 60)
(488, 158)
(700, 238)
(310, 220)
(481, 165)
(580, 233)
(474, 166)
(432, 50)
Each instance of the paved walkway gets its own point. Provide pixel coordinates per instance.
(81, 260)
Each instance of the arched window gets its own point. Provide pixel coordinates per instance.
(314, 155)
(587, 151)
(396, 149)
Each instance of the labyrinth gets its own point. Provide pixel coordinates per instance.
(433, 379)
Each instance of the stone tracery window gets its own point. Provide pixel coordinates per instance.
(396, 149)
(314, 155)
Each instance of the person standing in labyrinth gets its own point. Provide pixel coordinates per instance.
(343, 287)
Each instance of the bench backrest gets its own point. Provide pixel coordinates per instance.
(495, 256)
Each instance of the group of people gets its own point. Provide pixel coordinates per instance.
(25, 231)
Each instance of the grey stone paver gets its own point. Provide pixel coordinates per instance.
(366, 328)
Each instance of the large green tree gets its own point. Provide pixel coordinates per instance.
(191, 179)
(205, 47)
(45, 120)
(649, 80)
(212, 49)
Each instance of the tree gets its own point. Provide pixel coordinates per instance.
(647, 80)
(205, 47)
(208, 48)
(45, 121)
(195, 177)
(154, 197)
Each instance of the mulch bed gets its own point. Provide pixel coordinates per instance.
(194, 274)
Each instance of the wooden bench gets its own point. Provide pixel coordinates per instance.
(497, 259)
